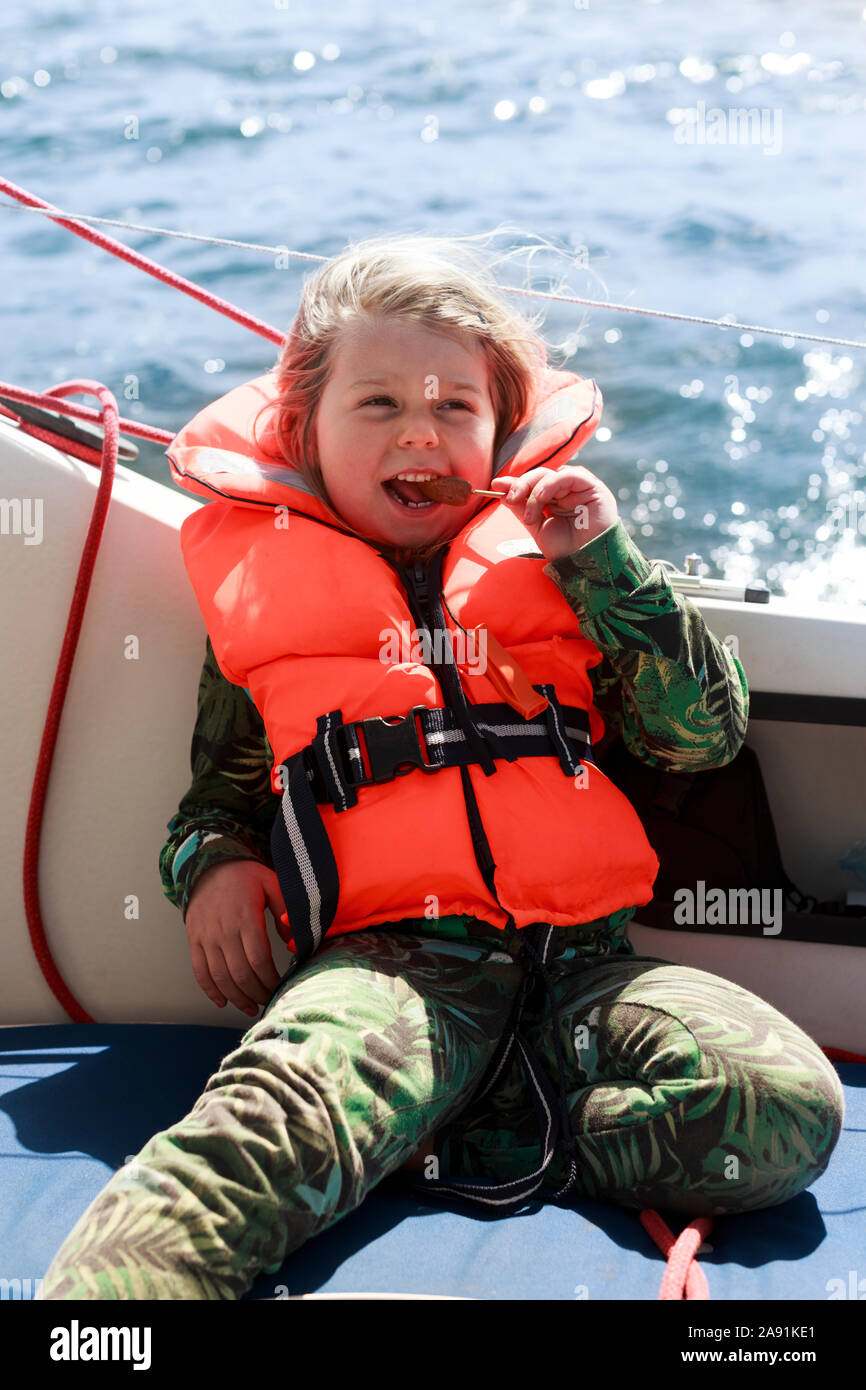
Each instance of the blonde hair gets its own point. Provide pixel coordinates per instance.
(437, 282)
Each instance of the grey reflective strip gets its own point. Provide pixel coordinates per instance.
(507, 730)
(502, 731)
(229, 462)
(563, 406)
(305, 867)
(519, 730)
(333, 766)
(283, 473)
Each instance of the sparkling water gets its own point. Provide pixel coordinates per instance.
(702, 160)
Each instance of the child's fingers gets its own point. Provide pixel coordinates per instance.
(223, 977)
(244, 975)
(577, 483)
(542, 495)
(544, 483)
(570, 487)
(203, 976)
(257, 949)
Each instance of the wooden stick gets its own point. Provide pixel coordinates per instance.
(557, 511)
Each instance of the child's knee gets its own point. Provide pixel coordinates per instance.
(784, 1137)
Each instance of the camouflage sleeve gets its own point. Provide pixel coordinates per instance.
(673, 691)
(229, 808)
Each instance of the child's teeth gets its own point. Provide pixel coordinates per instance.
(405, 501)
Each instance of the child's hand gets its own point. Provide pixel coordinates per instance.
(593, 506)
(228, 941)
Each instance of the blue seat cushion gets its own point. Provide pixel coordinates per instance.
(77, 1099)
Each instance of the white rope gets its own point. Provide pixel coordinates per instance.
(725, 322)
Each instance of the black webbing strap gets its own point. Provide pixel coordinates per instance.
(303, 858)
(551, 1108)
(432, 739)
(346, 757)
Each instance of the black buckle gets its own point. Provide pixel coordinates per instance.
(393, 746)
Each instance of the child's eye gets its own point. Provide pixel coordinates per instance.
(387, 400)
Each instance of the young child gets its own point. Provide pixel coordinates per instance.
(463, 869)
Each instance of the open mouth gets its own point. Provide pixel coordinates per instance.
(404, 490)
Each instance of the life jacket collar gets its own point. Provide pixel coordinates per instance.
(215, 455)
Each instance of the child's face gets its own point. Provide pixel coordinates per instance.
(414, 419)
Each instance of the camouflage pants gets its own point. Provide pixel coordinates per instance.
(684, 1091)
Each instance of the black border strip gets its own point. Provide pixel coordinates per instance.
(807, 709)
(821, 928)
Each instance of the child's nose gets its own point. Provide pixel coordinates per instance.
(419, 429)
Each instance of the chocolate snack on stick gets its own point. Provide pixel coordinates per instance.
(455, 492)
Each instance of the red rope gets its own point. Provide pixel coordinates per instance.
(80, 412)
(106, 459)
(117, 248)
(33, 834)
(58, 441)
(683, 1277)
(112, 423)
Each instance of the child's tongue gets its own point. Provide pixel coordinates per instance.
(410, 492)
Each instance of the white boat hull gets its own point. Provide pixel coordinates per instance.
(122, 764)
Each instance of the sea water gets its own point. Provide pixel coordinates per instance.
(700, 160)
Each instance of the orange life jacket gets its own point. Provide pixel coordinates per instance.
(499, 816)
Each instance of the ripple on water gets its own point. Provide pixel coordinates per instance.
(291, 127)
